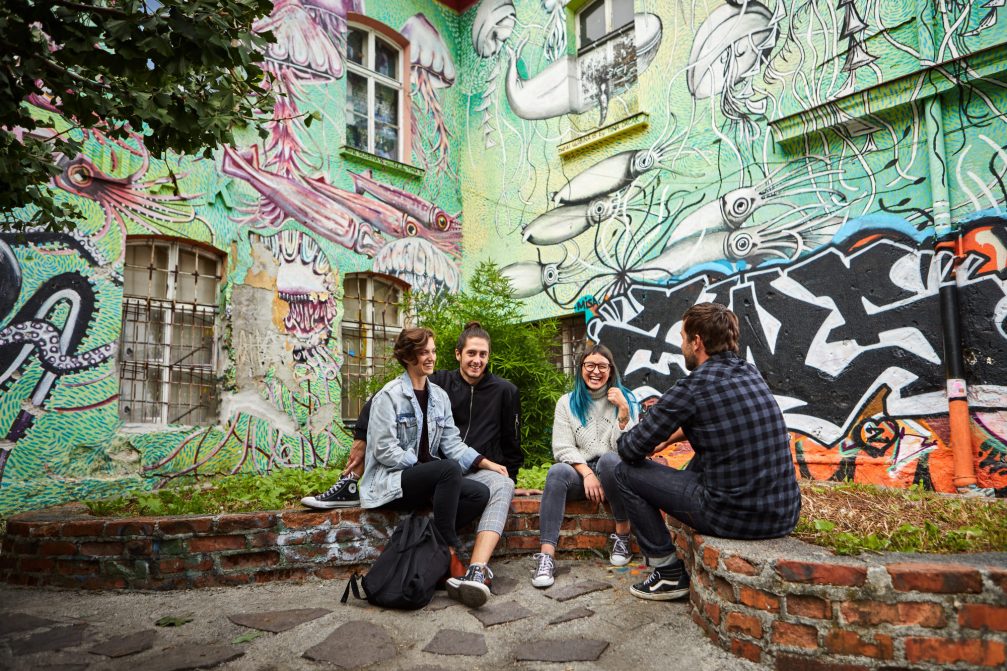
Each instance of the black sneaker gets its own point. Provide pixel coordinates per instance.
(343, 494)
(665, 583)
(473, 588)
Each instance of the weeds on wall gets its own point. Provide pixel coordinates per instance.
(521, 351)
(852, 518)
(237, 493)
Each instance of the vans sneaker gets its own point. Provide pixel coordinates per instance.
(545, 571)
(343, 494)
(665, 583)
(473, 588)
(621, 554)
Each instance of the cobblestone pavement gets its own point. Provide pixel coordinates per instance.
(587, 620)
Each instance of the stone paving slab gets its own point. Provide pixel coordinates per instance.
(16, 622)
(577, 589)
(562, 650)
(354, 645)
(508, 611)
(502, 585)
(574, 614)
(455, 642)
(130, 644)
(440, 603)
(277, 621)
(53, 639)
(190, 657)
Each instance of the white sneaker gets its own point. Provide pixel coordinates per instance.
(621, 554)
(544, 573)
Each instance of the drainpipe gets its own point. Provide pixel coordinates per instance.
(954, 366)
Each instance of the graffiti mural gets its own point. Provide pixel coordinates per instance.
(288, 216)
(784, 172)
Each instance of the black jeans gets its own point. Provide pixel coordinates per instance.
(456, 500)
(648, 488)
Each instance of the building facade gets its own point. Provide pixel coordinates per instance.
(833, 170)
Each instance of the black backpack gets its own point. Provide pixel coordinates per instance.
(408, 569)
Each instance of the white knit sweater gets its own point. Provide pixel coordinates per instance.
(574, 443)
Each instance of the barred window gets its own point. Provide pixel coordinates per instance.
(167, 352)
(569, 342)
(372, 320)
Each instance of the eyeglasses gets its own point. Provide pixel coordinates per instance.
(600, 367)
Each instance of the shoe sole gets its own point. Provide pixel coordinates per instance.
(318, 505)
(620, 562)
(467, 593)
(543, 585)
(659, 596)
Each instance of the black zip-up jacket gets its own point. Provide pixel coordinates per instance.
(488, 415)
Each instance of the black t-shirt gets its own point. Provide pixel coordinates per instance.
(422, 396)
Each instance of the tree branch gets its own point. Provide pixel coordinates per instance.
(110, 11)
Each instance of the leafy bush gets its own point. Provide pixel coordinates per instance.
(521, 351)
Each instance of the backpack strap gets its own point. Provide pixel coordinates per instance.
(351, 585)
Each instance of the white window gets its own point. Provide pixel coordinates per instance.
(167, 352)
(599, 18)
(372, 320)
(375, 100)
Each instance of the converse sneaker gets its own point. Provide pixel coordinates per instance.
(665, 583)
(621, 554)
(343, 494)
(473, 588)
(544, 573)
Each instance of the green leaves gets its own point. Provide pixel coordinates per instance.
(520, 351)
(173, 620)
(96, 64)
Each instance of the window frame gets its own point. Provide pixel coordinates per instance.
(610, 31)
(375, 30)
(168, 305)
(369, 368)
(571, 340)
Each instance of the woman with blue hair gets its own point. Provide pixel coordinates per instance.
(586, 426)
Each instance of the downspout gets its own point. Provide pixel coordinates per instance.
(946, 235)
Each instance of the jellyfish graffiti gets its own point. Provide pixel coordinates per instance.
(432, 69)
(493, 25)
(729, 50)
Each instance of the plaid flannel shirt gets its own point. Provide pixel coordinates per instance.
(742, 447)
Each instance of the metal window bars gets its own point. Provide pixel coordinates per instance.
(168, 346)
(569, 343)
(372, 320)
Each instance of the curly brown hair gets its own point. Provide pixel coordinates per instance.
(715, 325)
(409, 342)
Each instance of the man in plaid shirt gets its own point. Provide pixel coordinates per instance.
(741, 482)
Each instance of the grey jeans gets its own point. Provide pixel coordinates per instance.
(563, 483)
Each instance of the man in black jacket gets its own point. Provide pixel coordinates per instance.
(486, 409)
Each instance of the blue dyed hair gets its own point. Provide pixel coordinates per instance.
(580, 399)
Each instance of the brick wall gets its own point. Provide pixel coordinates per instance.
(811, 611)
(782, 603)
(66, 547)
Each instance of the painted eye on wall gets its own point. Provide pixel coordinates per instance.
(740, 244)
(412, 230)
(441, 221)
(79, 174)
(550, 274)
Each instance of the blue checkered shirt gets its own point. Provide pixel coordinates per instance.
(736, 429)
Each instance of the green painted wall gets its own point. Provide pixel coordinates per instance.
(782, 157)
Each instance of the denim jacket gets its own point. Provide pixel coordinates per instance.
(393, 438)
